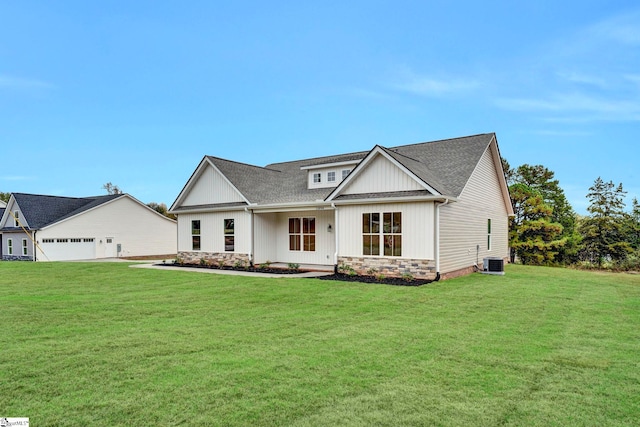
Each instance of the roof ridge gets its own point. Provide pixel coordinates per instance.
(243, 163)
(443, 140)
(364, 153)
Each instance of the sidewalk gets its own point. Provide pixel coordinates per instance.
(154, 265)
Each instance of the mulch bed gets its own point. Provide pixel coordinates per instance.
(394, 281)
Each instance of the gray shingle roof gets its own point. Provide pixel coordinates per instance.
(445, 165)
(40, 211)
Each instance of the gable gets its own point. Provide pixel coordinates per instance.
(7, 219)
(210, 187)
(381, 176)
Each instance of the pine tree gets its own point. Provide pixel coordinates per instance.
(533, 237)
(603, 231)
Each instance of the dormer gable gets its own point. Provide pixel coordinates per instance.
(328, 175)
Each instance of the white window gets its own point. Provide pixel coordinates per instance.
(10, 246)
(317, 178)
(195, 235)
(25, 249)
(489, 234)
(345, 172)
(302, 234)
(229, 235)
(389, 236)
(16, 219)
(331, 176)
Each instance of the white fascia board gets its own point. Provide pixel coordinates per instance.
(209, 209)
(399, 199)
(229, 182)
(282, 207)
(363, 164)
(187, 187)
(504, 187)
(195, 176)
(331, 165)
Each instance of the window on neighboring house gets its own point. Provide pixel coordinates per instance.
(9, 246)
(317, 178)
(195, 235)
(390, 233)
(302, 234)
(345, 172)
(489, 234)
(16, 219)
(331, 176)
(25, 248)
(229, 237)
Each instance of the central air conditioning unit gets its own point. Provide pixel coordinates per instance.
(493, 265)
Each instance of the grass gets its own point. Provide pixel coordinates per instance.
(104, 344)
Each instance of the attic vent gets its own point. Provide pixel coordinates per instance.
(493, 265)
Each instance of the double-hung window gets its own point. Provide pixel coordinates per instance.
(302, 234)
(229, 235)
(489, 234)
(9, 246)
(195, 235)
(389, 234)
(16, 218)
(25, 248)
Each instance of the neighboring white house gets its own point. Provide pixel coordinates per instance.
(430, 209)
(51, 228)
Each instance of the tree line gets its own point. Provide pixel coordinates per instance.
(545, 230)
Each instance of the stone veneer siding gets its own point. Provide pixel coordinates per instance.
(229, 258)
(391, 267)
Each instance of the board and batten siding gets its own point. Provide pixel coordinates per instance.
(463, 224)
(212, 231)
(266, 236)
(139, 230)
(417, 228)
(325, 240)
(381, 176)
(211, 188)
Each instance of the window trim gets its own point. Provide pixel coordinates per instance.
(9, 246)
(488, 234)
(16, 218)
(302, 236)
(196, 237)
(229, 236)
(382, 234)
(331, 176)
(25, 247)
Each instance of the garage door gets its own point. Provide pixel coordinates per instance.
(68, 249)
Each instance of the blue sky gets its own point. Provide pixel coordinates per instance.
(136, 93)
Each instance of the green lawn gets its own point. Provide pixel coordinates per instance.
(103, 344)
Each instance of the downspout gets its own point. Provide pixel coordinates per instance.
(251, 235)
(35, 250)
(437, 237)
(335, 230)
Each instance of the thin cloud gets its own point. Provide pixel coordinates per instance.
(426, 85)
(23, 83)
(577, 106)
(623, 28)
(17, 178)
